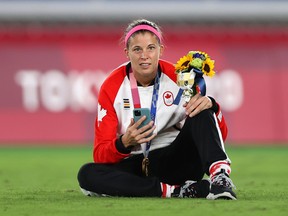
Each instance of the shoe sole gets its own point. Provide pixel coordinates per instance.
(92, 194)
(224, 195)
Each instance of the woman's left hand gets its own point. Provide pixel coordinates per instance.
(197, 104)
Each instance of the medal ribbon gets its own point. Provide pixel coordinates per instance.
(137, 104)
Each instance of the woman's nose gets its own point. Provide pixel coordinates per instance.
(143, 54)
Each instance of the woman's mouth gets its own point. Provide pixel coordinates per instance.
(144, 65)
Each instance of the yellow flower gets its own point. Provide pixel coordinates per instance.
(205, 54)
(196, 59)
(208, 67)
(183, 63)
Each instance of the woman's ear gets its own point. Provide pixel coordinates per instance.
(161, 49)
(126, 52)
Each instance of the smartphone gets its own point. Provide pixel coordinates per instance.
(139, 112)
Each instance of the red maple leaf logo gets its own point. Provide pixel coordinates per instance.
(167, 96)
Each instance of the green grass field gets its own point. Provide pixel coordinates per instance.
(42, 181)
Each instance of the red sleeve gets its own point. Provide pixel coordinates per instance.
(222, 123)
(106, 123)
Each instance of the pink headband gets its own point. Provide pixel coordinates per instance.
(141, 27)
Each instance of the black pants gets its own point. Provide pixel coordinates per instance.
(188, 157)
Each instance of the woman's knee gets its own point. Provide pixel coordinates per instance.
(207, 113)
(83, 173)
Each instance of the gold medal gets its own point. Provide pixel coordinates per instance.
(145, 164)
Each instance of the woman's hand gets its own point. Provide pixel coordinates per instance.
(197, 104)
(136, 136)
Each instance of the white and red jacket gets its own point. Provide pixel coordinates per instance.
(115, 106)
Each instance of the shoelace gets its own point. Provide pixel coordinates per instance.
(187, 190)
(224, 180)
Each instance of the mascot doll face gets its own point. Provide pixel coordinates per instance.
(185, 79)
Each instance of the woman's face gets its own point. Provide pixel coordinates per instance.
(144, 52)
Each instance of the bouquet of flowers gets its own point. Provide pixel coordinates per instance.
(190, 69)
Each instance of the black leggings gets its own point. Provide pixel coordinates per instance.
(188, 157)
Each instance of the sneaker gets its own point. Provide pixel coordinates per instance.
(221, 187)
(192, 189)
(92, 194)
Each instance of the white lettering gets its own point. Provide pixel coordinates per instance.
(57, 91)
(227, 88)
(54, 91)
(29, 82)
(77, 90)
(84, 87)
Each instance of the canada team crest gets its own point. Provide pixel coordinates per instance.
(168, 98)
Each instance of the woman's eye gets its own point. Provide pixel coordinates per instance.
(137, 49)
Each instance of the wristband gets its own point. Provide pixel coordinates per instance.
(120, 146)
(215, 106)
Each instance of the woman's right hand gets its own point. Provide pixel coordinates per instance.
(135, 136)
